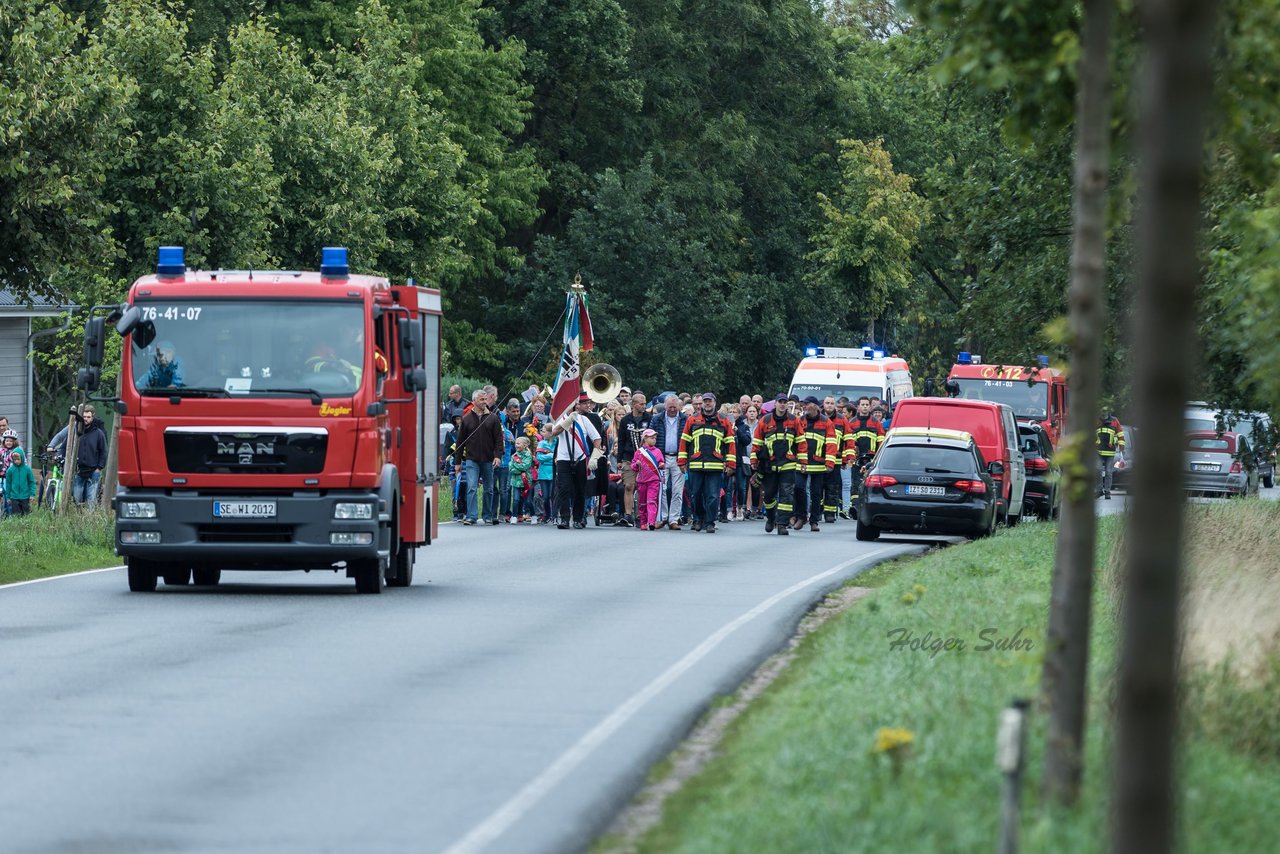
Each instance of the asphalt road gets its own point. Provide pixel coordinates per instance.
(511, 700)
(1119, 501)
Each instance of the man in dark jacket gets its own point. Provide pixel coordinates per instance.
(91, 457)
(481, 443)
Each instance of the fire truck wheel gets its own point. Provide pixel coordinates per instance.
(207, 577)
(142, 575)
(369, 576)
(404, 567)
(176, 577)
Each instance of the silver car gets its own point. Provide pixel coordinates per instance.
(1220, 464)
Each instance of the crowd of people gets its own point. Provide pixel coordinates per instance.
(19, 486)
(675, 461)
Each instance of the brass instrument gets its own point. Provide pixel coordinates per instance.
(602, 383)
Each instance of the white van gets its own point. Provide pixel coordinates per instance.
(851, 372)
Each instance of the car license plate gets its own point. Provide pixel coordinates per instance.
(244, 509)
(926, 490)
(1205, 467)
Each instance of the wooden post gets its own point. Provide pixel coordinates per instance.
(69, 461)
(1011, 742)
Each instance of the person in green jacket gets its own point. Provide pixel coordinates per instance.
(19, 484)
(522, 460)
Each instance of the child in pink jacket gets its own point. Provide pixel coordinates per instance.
(648, 465)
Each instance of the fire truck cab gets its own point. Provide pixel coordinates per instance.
(272, 420)
(1036, 393)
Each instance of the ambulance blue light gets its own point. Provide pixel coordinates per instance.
(811, 351)
(171, 261)
(879, 354)
(1044, 361)
(333, 262)
(964, 358)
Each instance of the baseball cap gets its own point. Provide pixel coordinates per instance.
(706, 395)
(648, 431)
(624, 390)
(811, 399)
(782, 398)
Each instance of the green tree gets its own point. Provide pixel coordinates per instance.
(63, 118)
(871, 222)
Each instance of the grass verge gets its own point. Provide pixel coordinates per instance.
(43, 544)
(936, 651)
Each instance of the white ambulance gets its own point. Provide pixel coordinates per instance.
(851, 372)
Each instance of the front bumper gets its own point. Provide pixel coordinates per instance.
(297, 537)
(972, 515)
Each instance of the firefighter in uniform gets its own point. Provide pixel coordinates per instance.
(819, 441)
(866, 434)
(844, 457)
(1110, 439)
(707, 451)
(776, 451)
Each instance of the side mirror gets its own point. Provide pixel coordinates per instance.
(415, 380)
(89, 378)
(930, 388)
(996, 468)
(410, 334)
(95, 341)
(129, 320)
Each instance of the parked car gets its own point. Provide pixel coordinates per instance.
(1220, 464)
(1256, 427)
(1041, 496)
(1122, 472)
(991, 425)
(928, 481)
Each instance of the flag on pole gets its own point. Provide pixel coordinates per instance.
(569, 377)
(584, 323)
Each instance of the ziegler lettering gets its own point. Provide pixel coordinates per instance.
(326, 409)
(1008, 372)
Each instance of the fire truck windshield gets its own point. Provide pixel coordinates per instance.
(1026, 401)
(250, 346)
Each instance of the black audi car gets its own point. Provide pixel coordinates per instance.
(928, 481)
(1041, 495)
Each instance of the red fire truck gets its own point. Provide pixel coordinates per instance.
(273, 420)
(1036, 393)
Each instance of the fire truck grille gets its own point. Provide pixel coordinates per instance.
(211, 452)
(223, 533)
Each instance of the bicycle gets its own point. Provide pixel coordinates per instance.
(50, 483)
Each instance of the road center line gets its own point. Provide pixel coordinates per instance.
(56, 577)
(509, 813)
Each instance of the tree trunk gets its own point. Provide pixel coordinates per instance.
(1176, 82)
(1066, 663)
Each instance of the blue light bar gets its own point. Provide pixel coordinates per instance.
(964, 358)
(333, 262)
(171, 261)
(811, 351)
(879, 354)
(1044, 361)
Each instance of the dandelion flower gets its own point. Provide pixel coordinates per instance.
(919, 588)
(908, 598)
(893, 739)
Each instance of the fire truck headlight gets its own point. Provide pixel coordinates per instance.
(351, 538)
(133, 538)
(137, 510)
(351, 510)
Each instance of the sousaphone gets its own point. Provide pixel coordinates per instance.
(602, 383)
